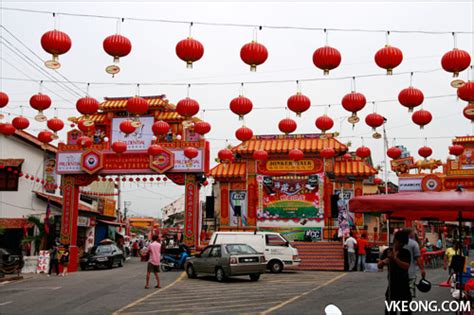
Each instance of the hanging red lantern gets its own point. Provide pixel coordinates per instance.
(244, 134)
(363, 152)
(55, 43)
(189, 50)
(3, 99)
(160, 128)
(324, 123)
(347, 157)
(55, 124)
(298, 103)
(455, 61)
(225, 155)
(137, 105)
(456, 150)
(287, 125)
(202, 127)
(394, 153)
(191, 152)
(327, 58)
(468, 112)
(466, 91)
(296, 155)
(241, 106)
(154, 149)
(374, 120)
(377, 181)
(45, 136)
(260, 155)
(84, 142)
(20, 122)
(253, 54)
(327, 153)
(119, 147)
(353, 102)
(40, 102)
(421, 117)
(127, 127)
(425, 151)
(389, 58)
(187, 107)
(87, 105)
(411, 97)
(116, 46)
(7, 129)
(86, 126)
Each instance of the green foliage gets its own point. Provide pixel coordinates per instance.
(40, 239)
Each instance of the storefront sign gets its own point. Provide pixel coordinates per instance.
(68, 162)
(138, 140)
(282, 166)
(83, 221)
(238, 208)
(409, 184)
(109, 207)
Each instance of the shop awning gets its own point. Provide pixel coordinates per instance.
(15, 223)
(58, 200)
(110, 222)
(11, 162)
(444, 205)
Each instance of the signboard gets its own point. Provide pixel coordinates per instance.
(285, 166)
(43, 261)
(138, 140)
(69, 162)
(162, 162)
(109, 207)
(409, 184)
(298, 233)
(345, 218)
(190, 205)
(238, 208)
(92, 161)
(50, 176)
(83, 221)
(183, 164)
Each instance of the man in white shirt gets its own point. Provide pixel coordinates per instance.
(350, 244)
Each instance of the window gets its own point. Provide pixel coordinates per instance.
(8, 180)
(206, 251)
(236, 249)
(275, 240)
(216, 251)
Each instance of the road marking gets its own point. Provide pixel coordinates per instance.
(5, 303)
(181, 277)
(202, 308)
(274, 308)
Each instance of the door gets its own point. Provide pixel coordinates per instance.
(214, 258)
(201, 262)
(276, 247)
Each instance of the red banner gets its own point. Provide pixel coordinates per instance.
(190, 206)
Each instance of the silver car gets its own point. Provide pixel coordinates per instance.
(225, 260)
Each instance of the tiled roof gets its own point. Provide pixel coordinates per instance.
(97, 118)
(59, 200)
(232, 170)
(353, 168)
(29, 138)
(119, 103)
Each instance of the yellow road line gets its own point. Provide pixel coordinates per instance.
(149, 295)
(274, 308)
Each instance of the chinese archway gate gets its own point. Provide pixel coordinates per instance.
(80, 165)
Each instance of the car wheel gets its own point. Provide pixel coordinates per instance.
(220, 275)
(275, 266)
(254, 276)
(191, 272)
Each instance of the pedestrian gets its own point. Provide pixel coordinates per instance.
(416, 261)
(154, 252)
(53, 260)
(361, 251)
(448, 256)
(398, 261)
(135, 247)
(350, 244)
(65, 259)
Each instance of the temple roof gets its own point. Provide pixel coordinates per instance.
(120, 103)
(232, 170)
(463, 139)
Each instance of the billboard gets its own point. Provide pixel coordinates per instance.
(238, 208)
(137, 141)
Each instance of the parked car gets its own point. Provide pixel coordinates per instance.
(106, 255)
(226, 260)
(278, 251)
(10, 263)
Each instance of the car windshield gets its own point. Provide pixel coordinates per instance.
(102, 249)
(239, 249)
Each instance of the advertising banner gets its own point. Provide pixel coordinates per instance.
(409, 184)
(345, 218)
(138, 140)
(183, 164)
(69, 162)
(238, 208)
(50, 175)
(312, 234)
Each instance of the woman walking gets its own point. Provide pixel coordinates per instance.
(65, 260)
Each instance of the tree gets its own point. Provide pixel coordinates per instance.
(40, 239)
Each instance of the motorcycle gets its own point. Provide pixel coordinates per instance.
(170, 262)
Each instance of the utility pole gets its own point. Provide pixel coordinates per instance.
(119, 197)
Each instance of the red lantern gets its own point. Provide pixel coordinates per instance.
(296, 155)
(456, 150)
(84, 142)
(225, 155)
(388, 58)
(40, 102)
(363, 152)
(455, 61)
(55, 43)
(411, 97)
(241, 106)
(377, 181)
(374, 120)
(347, 157)
(127, 127)
(7, 129)
(324, 123)
(353, 102)
(191, 152)
(299, 103)
(425, 151)
(116, 46)
(253, 54)
(244, 134)
(466, 91)
(55, 124)
(20, 122)
(327, 153)
(45, 136)
(327, 58)
(3, 99)
(260, 155)
(468, 112)
(160, 128)
(287, 125)
(137, 105)
(155, 149)
(119, 147)
(421, 117)
(187, 107)
(86, 126)
(189, 50)
(87, 105)
(394, 153)
(202, 127)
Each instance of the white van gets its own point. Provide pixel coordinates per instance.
(278, 252)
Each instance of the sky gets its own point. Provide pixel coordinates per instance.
(153, 61)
